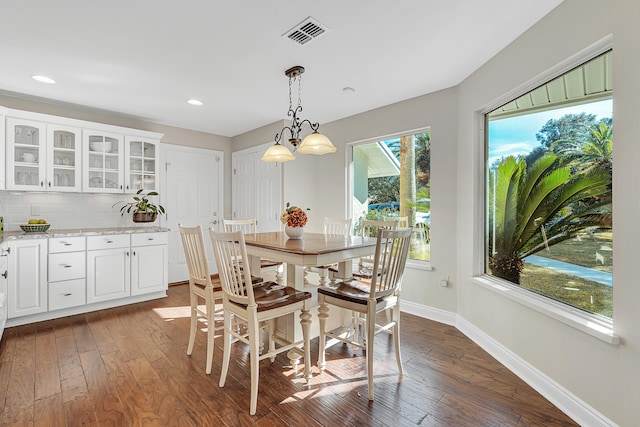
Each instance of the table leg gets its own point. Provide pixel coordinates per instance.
(254, 265)
(295, 276)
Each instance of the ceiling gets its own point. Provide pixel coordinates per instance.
(146, 58)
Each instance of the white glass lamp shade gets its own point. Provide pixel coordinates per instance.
(277, 153)
(316, 143)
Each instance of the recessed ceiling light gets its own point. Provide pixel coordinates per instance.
(43, 79)
(195, 102)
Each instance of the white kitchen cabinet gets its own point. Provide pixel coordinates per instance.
(103, 159)
(142, 157)
(149, 265)
(64, 160)
(67, 272)
(26, 154)
(42, 156)
(27, 277)
(3, 287)
(108, 267)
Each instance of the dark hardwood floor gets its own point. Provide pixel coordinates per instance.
(128, 366)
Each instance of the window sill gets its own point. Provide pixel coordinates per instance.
(575, 318)
(419, 265)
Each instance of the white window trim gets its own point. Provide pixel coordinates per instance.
(412, 263)
(594, 325)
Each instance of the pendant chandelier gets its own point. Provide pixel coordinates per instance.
(314, 143)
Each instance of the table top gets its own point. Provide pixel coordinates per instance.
(309, 244)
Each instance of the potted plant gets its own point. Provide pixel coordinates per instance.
(143, 210)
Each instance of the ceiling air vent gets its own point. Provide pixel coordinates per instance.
(305, 31)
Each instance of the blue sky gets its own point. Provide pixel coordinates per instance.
(517, 135)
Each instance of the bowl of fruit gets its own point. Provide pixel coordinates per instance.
(35, 226)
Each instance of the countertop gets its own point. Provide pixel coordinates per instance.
(13, 235)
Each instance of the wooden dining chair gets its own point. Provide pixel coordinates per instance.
(250, 226)
(369, 297)
(332, 227)
(202, 286)
(254, 305)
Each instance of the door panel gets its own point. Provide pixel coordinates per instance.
(194, 191)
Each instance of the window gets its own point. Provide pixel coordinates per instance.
(390, 180)
(548, 190)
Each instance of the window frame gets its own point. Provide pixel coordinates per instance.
(592, 324)
(411, 263)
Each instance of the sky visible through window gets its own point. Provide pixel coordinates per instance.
(517, 135)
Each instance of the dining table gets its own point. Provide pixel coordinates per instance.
(310, 250)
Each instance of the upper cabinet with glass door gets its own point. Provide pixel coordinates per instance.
(103, 161)
(64, 158)
(141, 164)
(26, 154)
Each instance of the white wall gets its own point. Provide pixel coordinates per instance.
(605, 376)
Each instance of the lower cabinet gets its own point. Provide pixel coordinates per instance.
(108, 267)
(149, 266)
(27, 277)
(57, 273)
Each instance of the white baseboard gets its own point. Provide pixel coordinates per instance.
(435, 314)
(562, 398)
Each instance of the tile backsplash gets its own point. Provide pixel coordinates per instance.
(65, 210)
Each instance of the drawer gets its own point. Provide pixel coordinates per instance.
(67, 244)
(67, 265)
(148, 239)
(70, 293)
(108, 241)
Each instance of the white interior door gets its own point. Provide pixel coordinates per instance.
(257, 188)
(194, 195)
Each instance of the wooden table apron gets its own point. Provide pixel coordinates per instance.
(312, 250)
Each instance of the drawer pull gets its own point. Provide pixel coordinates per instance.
(5, 274)
(66, 243)
(67, 295)
(66, 265)
(108, 241)
(150, 238)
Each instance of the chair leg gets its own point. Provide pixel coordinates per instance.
(396, 336)
(226, 354)
(323, 314)
(272, 341)
(370, 333)
(194, 322)
(254, 339)
(305, 322)
(211, 332)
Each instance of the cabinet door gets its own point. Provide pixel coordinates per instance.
(26, 154)
(27, 275)
(102, 157)
(148, 269)
(64, 158)
(141, 164)
(108, 274)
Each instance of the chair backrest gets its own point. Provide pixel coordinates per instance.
(233, 266)
(195, 254)
(340, 227)
(392, 249)
(247, 226)
(370, 227)
(403, 221)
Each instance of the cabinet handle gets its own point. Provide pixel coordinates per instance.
(49, 184)
(41, 183)
(66, 265)
(127, 253)
(121, 187)
(66, 243)
(5, 274)
(150, 238)
(134, 253)
(108, 241)
(66, 295)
